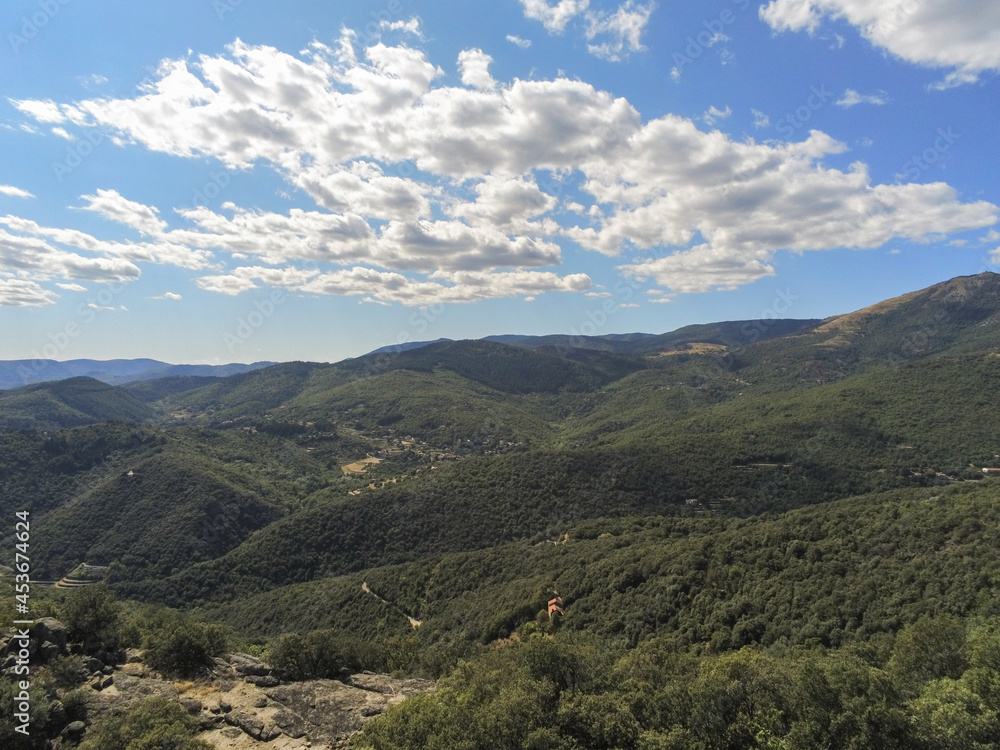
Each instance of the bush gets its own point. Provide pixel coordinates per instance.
(153, 724)
(178, 645)
(94, 617)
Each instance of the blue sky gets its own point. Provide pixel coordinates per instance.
(238, 180)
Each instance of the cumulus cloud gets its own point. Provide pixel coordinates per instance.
(475, 67)
(518, 41)
(852, 98)
(959, 35)
(427, 192)
(168, 296)
(14, 192)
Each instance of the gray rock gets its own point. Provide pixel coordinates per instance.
(49, 629)
(252, 726)
(191, 705)
(264, 681)
(245, 664)
(260, 703)
(48, 652)
(74, 731)
(205, 723)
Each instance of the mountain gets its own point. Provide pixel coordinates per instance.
(790, 514)
(22, 372)
(69, 403)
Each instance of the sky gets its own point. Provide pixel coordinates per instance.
(212, 181)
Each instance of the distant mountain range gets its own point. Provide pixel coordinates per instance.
(17, 373)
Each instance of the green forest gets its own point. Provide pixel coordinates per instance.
(762, 534)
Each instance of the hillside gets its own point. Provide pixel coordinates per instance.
(730, 495)
(69, 403)
(22, 372)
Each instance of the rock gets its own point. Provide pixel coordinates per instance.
(134, 656)
(260, 703)
(108, 670)
(48, 652)
(107, 682)
(93, 664)
(232, 733)
(371, 711)
(191, 705)
(264, 681)
(291, 724)
(205, 723)
(252, 726)
(49, 629)
(245, 664)
(74, 731)
(225, 706)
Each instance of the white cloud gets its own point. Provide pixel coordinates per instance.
(991, 236)
(475, 67)
(111, 205)
(518, 41)
(72, 287)
(554, 17)
(611, 35)
(14, 192)
(31, 257)
(24, 293)
(852, 98)
(624, 26)
(713, 114)
(432, 192)
(760, 120)
(412, 26)
(960, 35)
(168, 296)
(92, 81)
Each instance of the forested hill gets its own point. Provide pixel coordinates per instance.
(69, 403)
(813, 491)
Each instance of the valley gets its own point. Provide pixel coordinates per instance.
(802, 503)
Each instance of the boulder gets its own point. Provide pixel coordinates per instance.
(252, 726)
(49, 629)
(264, 681)
(74, 731)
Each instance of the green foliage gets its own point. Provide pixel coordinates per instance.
(178, 645)
(152, 724)
(92, 614)
(69, 403)
(328, 653)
